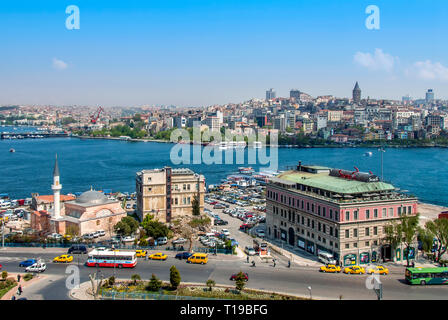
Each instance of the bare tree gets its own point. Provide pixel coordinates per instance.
(96, 285)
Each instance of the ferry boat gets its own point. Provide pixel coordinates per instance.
(248, 170)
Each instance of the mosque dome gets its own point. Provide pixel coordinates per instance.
(92, 197)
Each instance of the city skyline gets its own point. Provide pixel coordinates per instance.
(203, 53)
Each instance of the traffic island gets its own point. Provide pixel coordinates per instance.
(26, 280)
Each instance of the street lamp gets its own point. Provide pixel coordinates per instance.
(311, 295)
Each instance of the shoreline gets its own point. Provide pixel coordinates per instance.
(278, 146)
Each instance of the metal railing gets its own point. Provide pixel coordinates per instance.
(115, 295)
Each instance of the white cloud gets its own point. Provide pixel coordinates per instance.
(59, 64)
(427, 70)
(377, 61)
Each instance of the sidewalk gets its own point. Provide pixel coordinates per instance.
(25, 284)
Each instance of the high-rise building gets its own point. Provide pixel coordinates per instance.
(357, 94)
(429, 96)
(270, 94)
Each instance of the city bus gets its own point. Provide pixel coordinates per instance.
(425, 276)
(260, 247)
(112, 258)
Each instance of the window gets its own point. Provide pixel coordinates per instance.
(355, 214)
(347, 215)
(324, 213)
(347, 233)
(149, 179)
(324, 240)
(312, 224)
(318, 238)
(375, 231)
(375, 242)
(347, 245)
(336, 215)
(319, 226)
(391, 212)
(399, 211)
(331, 214)
(367, 243)
(307, 206)
(149, 189)
(355, 244)
(302, 204)
(97, 222)
(176, 201)
(355, 232)
(324, 228)
(409, 210)
(308, 222)
(384, 212)
(336, 232)
(375, 213)
(318, 210)
(312, 207)
(331, 231)
(367, 214)
(303, 220)
(367, 231)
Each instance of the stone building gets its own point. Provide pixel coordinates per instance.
(167, 193)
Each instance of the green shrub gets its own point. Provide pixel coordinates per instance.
(210, 284)
(28, 276)
(154, 283)
(174, 277)
(4, 275)
(135, 278)
(240, 281)
(111, 281)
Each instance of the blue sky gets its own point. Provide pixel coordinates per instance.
(194, 53)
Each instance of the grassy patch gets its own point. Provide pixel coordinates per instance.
(6, 285)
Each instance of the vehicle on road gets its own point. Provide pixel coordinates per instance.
(55, 236)
(77, 249)
(65, 258)
(27, 263)
(162, 240)
(379, 270)
(331, 268)
(424, 276)
(1, 267)
(128, 239)
(158, 256)
(88, 236)
(235, 275)
(37, 267)
(141, 253)
(250, 251)
(111, 258)
(326, 258)
(183, 255)
(199, 258)
(354, 270)
(179, 241)
(101, 233)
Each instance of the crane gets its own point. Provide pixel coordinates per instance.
(94, 117)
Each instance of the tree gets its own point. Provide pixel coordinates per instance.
(402, 232)
(210, 284)
(72, 230)
(426, 239)
(174, 277)
(156, 229)
(4, 275)
(439, 229)
(196, 206)
(126, 226)
(135, 278)
(240, 281)
(154, 283)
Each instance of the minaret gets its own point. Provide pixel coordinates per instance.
(56, 187)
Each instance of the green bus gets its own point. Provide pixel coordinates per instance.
(425, 276)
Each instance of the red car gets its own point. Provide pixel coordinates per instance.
(213, 203)
(1, 266)
(233, 276)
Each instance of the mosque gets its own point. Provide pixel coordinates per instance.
(90, 212)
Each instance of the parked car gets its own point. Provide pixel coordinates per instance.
(250, 251)
(88, 236)
(162, 240)
(225, 232)
(179, 241)
(27, 263)
(128, 239)
(101, 233)
(37, 267)
(235, 275)
(55, 236)
(183, 255)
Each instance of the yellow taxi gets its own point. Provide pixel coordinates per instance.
(63, 258)
(379, 270)
(141, 253)
(330, 268)
(158, 256)
(68, 237)
(354, 270)
(200, 258)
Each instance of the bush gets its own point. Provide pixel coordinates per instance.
(143, 243)
(240, 281)
(210, 284)
(28, 276)
(4, 275)
(174, 277)
(111, 281)
(135, 278)
(154, 283)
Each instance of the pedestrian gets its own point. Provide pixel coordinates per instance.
(247, 259)
(273, 260)
(19, 290)
(289, 263)
(13, 297)
(18, 278)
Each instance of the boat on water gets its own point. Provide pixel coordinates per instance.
(245, 170)
(368, 154)
(12, 150)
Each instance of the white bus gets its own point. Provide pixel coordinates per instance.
(111, 258)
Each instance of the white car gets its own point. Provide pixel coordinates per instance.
(55, 236)
(128, 239)
(225, 232)
(88, 236)
(101, 233)
(260, 233)
(179, 241)
(37, 267)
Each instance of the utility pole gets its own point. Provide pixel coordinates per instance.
(3, 233)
